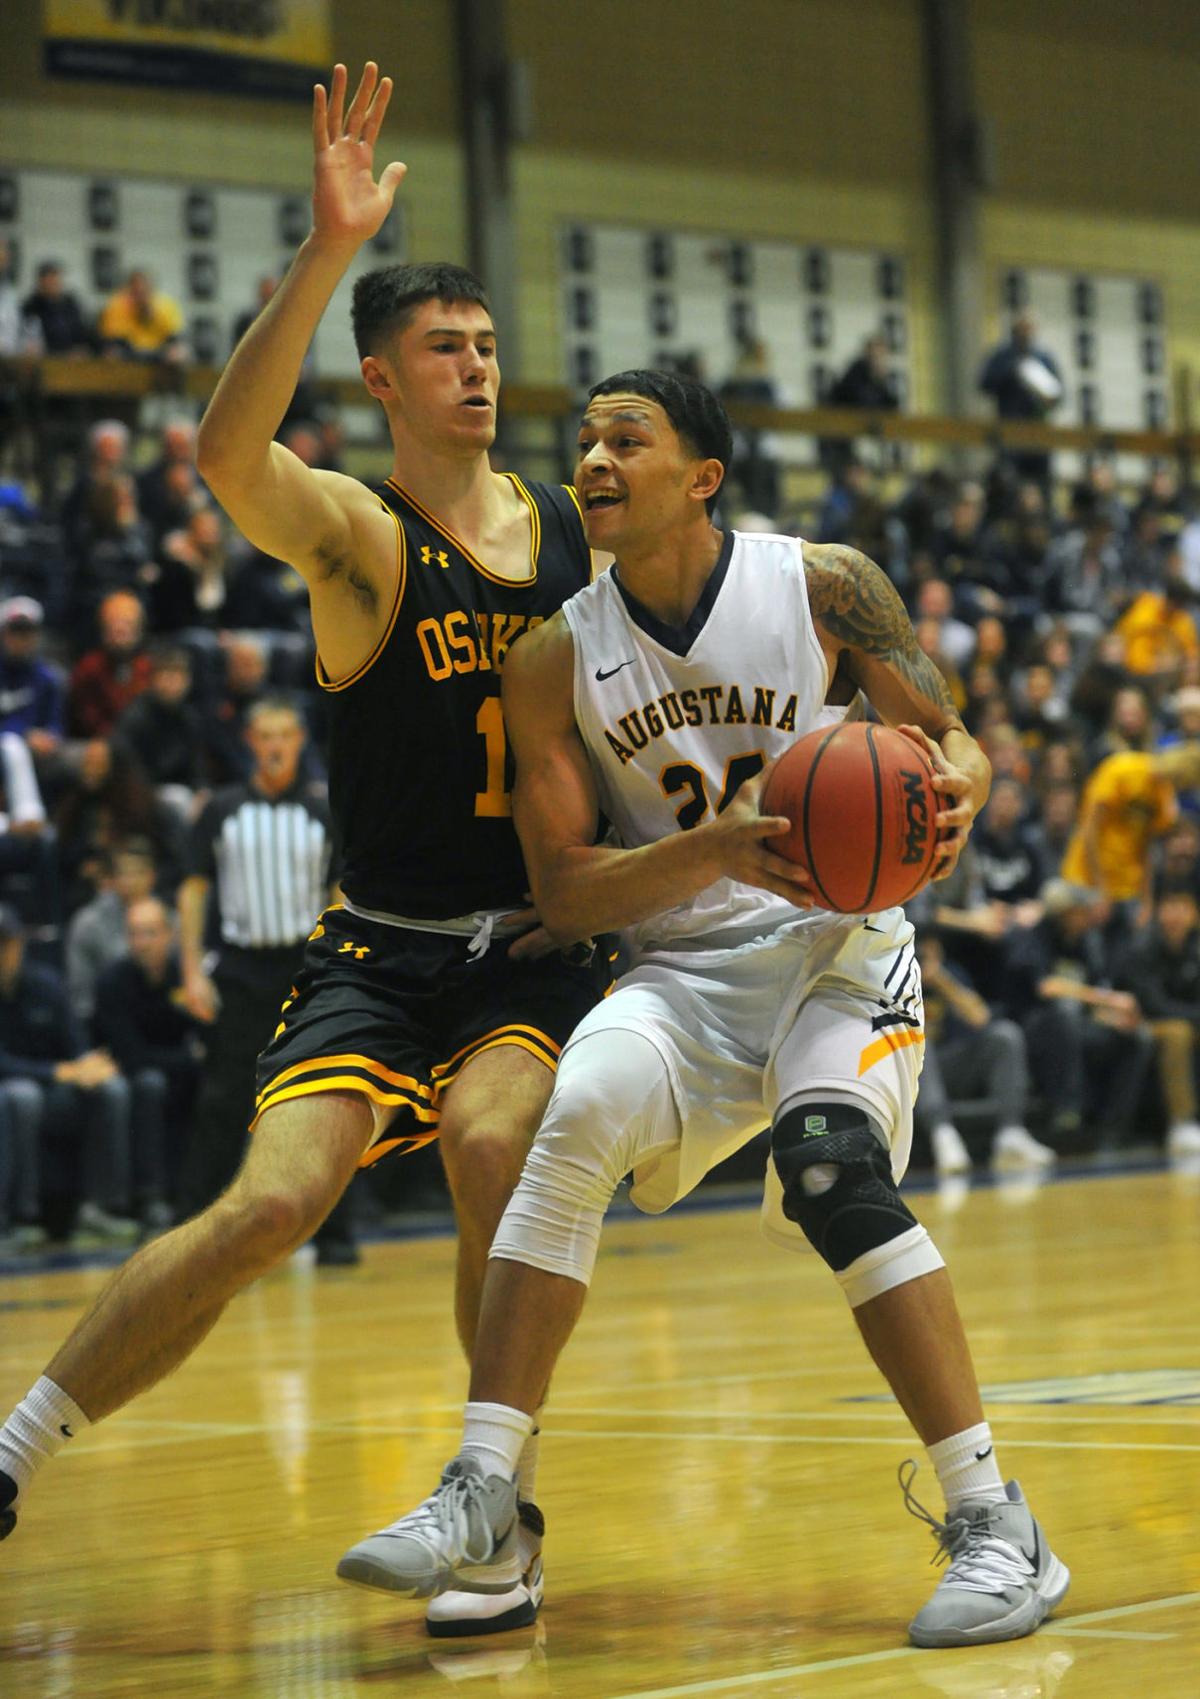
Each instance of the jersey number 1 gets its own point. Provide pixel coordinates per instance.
(494, 803)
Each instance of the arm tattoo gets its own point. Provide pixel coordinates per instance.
(858, 604)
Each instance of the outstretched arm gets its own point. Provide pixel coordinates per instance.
(286, 509)
(863, 627)
(581, 887)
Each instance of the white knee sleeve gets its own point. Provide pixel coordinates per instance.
(612, 1104)
(902, 1259)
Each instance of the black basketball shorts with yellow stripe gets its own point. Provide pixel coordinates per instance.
(397, 1013)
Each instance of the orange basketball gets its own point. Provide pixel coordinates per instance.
(862, 805)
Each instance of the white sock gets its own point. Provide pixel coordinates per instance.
(527, 1462)
(495, 1434)
(947, 1127)
(41, 1425)
(966, 1466)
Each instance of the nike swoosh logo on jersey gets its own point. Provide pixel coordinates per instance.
(602, 675)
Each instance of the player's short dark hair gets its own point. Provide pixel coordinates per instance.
(385, 300)
(692, 408)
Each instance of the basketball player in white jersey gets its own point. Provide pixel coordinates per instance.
(656, 698)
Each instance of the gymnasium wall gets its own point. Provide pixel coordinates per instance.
(786, 119)
(143, 132)
(1093, 105)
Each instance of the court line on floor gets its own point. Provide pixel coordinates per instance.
(1102, 1416)
(181, 1432)
(858, 1660)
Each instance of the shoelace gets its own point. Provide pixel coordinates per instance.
(444, 1514)
(979, 1561)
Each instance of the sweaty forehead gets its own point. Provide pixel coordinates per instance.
(623, 409)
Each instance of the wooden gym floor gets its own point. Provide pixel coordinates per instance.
(718, 1474)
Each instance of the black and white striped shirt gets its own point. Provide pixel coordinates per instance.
(268, 858)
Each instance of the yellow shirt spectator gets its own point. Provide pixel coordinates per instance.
(139, 318)
(1158, 632)
(1127, 803)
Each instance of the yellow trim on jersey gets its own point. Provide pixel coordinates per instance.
(405, 1081)
(344, 1082)
(529, 1038)
(323, 679)
(381, 1147)
(886, 1045)
(535, 533)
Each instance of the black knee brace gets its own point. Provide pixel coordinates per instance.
(862, 1209)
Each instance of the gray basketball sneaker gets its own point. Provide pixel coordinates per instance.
(464, 1536)
(1002, 1581)
(457, 1613)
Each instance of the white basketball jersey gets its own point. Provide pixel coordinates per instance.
(674, 721)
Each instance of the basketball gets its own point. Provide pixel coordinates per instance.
(862, 805)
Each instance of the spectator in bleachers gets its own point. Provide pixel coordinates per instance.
(193, 580)
(1010, 852)
(108, 678)
(106, 457)
(1100, 492)
(1040, 710)
(1159, 631)
(225, 717)
(138, 322)
(1145, 549)
(141, 1021)
(164, 732)
(971, 1054)
(1162, 496)
(1128, 802)
(754, 466)
(98, 933)
(1178, 856)
(1162, 971)
(1059, 805)
(70, 1101)
(956, 639)
(1024, 381)
(115, 548)
(1088, 1047)
(1018, 539)
(1084, 579)
(32, 697)
(53, 316)
(959, 556)
(867, 382)
(1128, 727)
(104, 804)
(170, 490)
(28, 849)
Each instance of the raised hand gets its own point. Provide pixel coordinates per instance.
(349, 206)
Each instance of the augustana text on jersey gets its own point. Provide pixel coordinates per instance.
(706, 705)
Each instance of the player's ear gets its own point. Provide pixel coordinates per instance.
(376, 378)
(706, 480)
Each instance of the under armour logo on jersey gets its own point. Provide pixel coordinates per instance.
(428, 556)
(358, 951)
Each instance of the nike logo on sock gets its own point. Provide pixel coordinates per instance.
(602, 675)
(65, 1431)
(980, 1455)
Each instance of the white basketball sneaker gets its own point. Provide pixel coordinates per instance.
(1002, 1580)
(458, 1613)
(1016, 1149)
(463, 1536)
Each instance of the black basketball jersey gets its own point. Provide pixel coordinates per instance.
(420, 770)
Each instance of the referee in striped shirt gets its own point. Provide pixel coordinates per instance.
(258, 879)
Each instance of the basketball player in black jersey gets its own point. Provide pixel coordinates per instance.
(429, 1004)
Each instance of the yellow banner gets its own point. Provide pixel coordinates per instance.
(256, 47)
